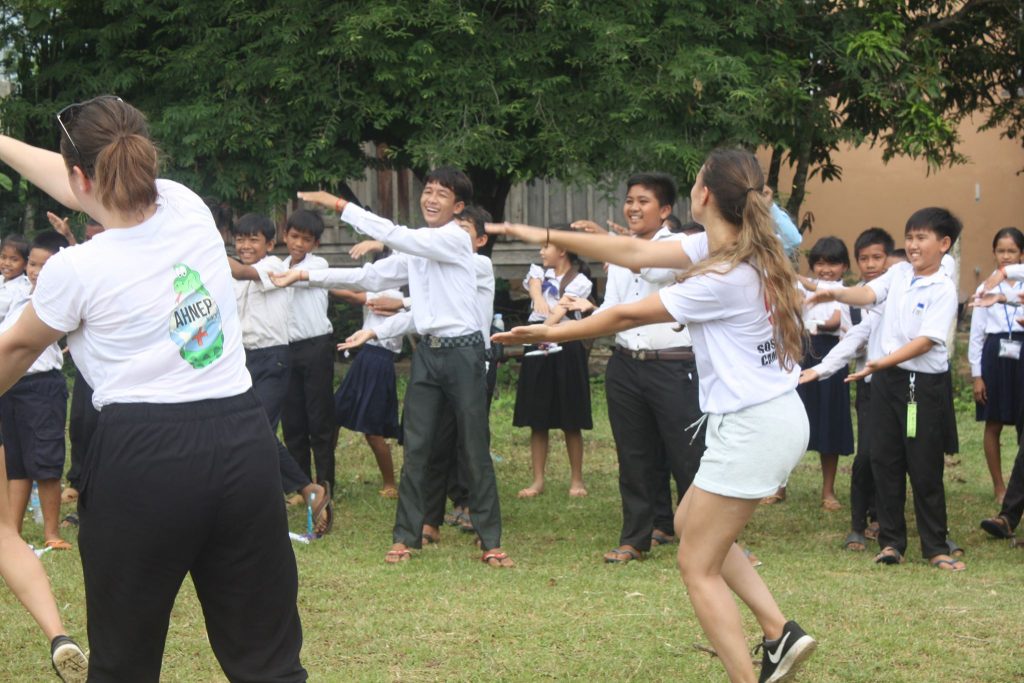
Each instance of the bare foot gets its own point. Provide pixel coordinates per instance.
(70, 495)
(831, 504)
(578, 491)
(497, 558)
(531, 491)
(399, 553)
(777, 497)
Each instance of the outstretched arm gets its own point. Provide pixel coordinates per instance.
(612, 320)
(633, 254)
(22, 344)
(43, 168)
(853, 296)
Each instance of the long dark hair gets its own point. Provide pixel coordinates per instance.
(577, 266)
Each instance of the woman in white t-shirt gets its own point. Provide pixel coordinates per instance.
(740, 303)
(182, 466)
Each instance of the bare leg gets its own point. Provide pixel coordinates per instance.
(49, 500)
(21, 569)
(539, 458)
(19, 490)
(711, 564)
(829, 464)
(994, 458)
(382, 452)
(574, 446)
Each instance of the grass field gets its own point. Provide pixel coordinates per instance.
(563, 614)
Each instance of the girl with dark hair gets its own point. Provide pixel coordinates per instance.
(182, 463)
(827, 402)
(740, 302)
(997, 389)
(553, 390)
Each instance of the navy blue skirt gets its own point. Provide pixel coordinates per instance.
(1002, 383)
(553, 392)
(827, 403)
(367, 400)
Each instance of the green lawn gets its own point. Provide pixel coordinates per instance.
(563, 614)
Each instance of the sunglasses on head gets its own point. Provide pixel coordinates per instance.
(66, 116)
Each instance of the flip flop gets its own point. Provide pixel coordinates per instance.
(949, 565)
(322, 505)
(397, 556)
(853, 539)
(871, 532)
(500, 557)
(889, 555)
(57, 544)
(659, 537)
(998, 527)
(630, 555)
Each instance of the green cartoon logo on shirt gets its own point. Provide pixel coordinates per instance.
(195, 322)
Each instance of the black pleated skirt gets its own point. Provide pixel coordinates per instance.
(553, 391)
(367, 400)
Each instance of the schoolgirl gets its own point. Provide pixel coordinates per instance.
(553, 390)
(995, 358)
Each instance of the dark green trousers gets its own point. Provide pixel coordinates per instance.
(447, 378)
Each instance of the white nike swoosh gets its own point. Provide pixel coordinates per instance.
(774, 658)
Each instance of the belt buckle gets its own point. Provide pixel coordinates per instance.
(640, 354)
(434, 342)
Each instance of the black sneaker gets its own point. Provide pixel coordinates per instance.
(68, 660)
(784, 656)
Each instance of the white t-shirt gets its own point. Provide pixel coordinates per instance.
(52, 358)
(733, 340)
(12, 291)
(914, 307)
(308, 315)
(550, 284)
(149, 310)
(263, 306)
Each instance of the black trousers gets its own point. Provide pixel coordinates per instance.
(650, 406)
(81, 425)
(1013, 501)
(862, 484)
(307, 416)
(446, 379)
(176, 489)
(449, 471)
(894, 457)
(269, 371)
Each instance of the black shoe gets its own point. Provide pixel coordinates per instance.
(68, 660)
(784, 656)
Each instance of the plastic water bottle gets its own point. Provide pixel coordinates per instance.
(498, 325)
(34, 505)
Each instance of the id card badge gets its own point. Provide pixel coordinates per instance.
(1009, 348)
(912, 408)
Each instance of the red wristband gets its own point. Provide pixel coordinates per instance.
(337, 206)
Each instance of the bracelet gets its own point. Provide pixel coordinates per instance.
(337, 206)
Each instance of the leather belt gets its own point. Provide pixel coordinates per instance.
(465, 340)
(676, 353)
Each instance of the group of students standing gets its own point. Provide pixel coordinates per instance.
(193, 358)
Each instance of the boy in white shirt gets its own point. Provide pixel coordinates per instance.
(263, 313)
(13, 261)
(306, 414)
(448, 365)
(910, 366)
(33, 413)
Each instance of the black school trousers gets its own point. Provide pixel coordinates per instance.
(651, 403)
(446, 379)
(170, 490)
(268, 368)
(862, 484)
(307, 415)
(895, 457)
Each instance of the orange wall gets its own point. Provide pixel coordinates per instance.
(874, 193)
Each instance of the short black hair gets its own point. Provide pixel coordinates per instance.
(1013, 233)
(691, 228)
(899, 253)
(673, 223)
(661, 184)
(304, 220)
(937, 220)
(873, 236)
(50, 240)
(829, 250)
(455, 180)
(20, 244)
(255, 224)
(478, 215)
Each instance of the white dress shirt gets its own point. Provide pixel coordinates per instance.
(263, 307)
(996, 319)
(307, 317)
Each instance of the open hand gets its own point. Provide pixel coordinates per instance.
(525, 334)
(357, 340)
(821, 296)
(869, 368)
(808, 375)
(385, 305)
(286, 278)
(361, 249)
(575, 303)
(325, 199)
(588, 226)
(989, 299)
